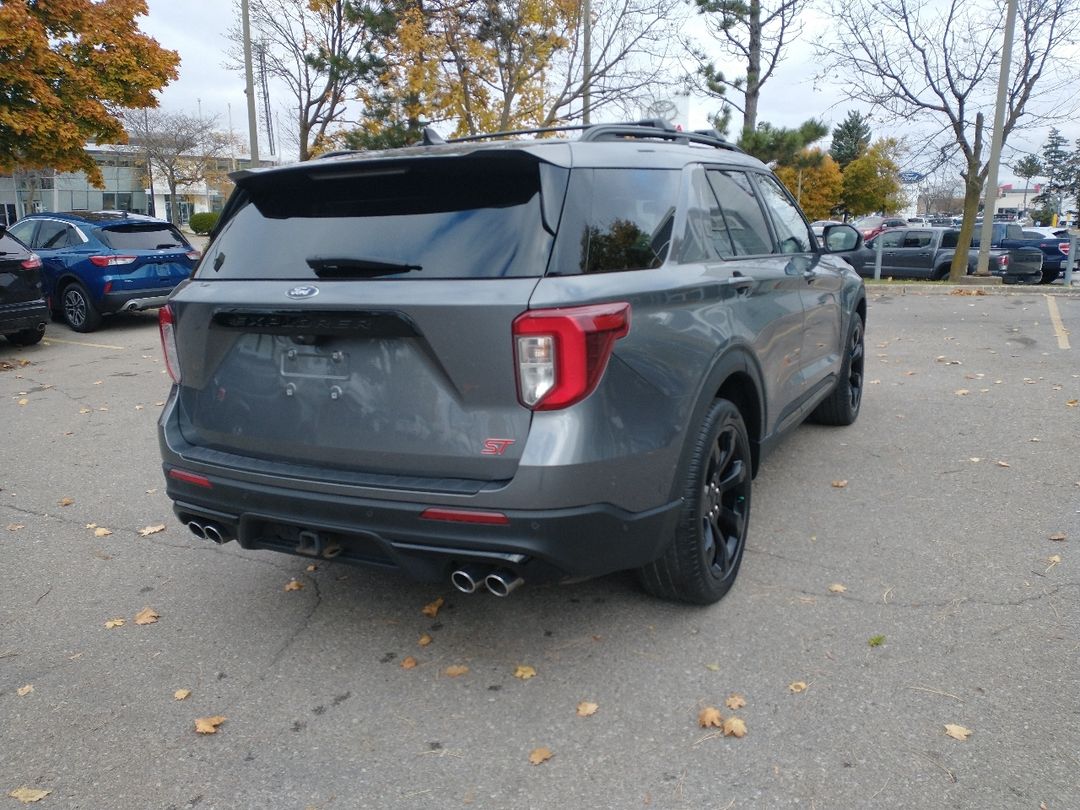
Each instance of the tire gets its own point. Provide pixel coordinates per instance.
(79, 312)
(841, 407)
(1049, 276)
(25, 337)
(702, 559)
(942, 273)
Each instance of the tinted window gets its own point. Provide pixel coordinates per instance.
(949, 239)
(454, 218)
(792, 232)
(743, 220)
(53, 235)
(917, 239)
(705, 236)
(891, 239)
(141, 237)
(616, 219)
(23, 231)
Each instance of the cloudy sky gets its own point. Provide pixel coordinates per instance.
(197, 29)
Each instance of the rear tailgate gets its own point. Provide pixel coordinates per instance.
(150, 255)
(363, 323)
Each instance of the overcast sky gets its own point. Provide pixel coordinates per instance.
(197, 30)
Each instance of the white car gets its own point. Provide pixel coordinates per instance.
(1044, 231)
(819, 227)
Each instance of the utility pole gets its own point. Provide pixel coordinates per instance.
(586, 70)
(249, 79)
(986, 233)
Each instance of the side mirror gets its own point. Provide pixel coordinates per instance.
(840, 238)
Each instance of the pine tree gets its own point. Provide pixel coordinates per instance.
(850, 139)
(1055, 166)
(1026, 168)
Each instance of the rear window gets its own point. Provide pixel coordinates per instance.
(439, 218)
(148, 236)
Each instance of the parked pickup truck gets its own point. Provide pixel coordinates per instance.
(927, 252)
(1055, 250)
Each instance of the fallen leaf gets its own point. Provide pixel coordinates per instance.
(294, 585)
(91, 525)
(1003, 464)
(734, 727)
(712, 667)
(84, 410)
(1053, 559)
(874, 382)
(208, 725)
(710, 717)
(66, 501)
(140, 407)
(14, 527)
(735, 702)
(1056, 536)
(797, 687)
(957, 732)
(975, 459)
(146, 531)
(961, 392)
(181, 694)
(424, 640)
(159, 404)
(409, 662)
(1034, 439)
(540, 755)
(431, 609)
(29, 795)
(103, 409)
(99, 382)
(312, 568)
(836, 587)
(101, 531)
(524, 672)
(151, 491)
(111, 623)
(876, 641)
(24, 401)
(587, 709)
(910, 373)
(1072, 403)
(839, 484)
(454, 670)
(147, 616)
(23, 691)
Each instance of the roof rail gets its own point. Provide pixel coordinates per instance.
(658, 128)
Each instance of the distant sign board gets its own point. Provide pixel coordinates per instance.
(910, 177)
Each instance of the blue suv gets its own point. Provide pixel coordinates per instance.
(98, 263)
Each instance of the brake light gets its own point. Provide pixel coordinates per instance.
(1064, 247)
(111, 261)
(190, 478)
(167, 326)
(466, 516)
(1003, 260)
(561, 354)
(33, 263)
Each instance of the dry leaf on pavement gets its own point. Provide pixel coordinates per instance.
(208, 725)
(147, 616)
(431, 609)
(294, 585)
(797, 687)
(839, 484)
(14, 527)
(1003, 464)
(111, 623)
(961, 392)
(586, 708)
(66, 501)
(424, 640)
(24, 401)
(29, 795)
(409, 663)
(146, 531)
(101, 531)
(710, 717)
(734, 727)
(836, 587)
(23, 691)
(540, 755)
(1072, 403)
(84, 410)
(454, 670)
(181, 694)
(524, 672)
(312, 568)
(735, 702)
(957, 732)
(1055, 536)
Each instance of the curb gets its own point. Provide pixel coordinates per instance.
(932, 288)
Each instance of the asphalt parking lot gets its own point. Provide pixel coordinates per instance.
(901, 576)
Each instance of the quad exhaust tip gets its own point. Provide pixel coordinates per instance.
(467, 579)
(210, 531)
(471, 578)
(503, 583)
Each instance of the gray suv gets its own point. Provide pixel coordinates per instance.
(503, 360)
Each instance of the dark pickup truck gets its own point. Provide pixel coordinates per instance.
(1055, 249)
(927, 253)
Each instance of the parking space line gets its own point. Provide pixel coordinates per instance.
(49, 340)
(1055, 319)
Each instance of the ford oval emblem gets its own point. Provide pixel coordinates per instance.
(307, 291)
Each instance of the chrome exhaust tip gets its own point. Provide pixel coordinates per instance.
(503, 583)
(214, 533)
(467, 579)
(197, 529)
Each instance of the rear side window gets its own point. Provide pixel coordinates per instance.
(616, 219)
(948, 239)
(917, 239)
(743, 224)
(148, 236)
(433, 218)
(891, 239)
(53, 235)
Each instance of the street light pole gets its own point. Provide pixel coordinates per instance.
(986, 233)
(586, 90)
(249, 79)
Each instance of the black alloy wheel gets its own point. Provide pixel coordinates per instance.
(841, 406)
(725, 503)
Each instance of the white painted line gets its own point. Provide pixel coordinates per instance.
(1055, 319)
(49, 340)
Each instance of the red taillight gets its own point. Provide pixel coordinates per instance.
(562, 353)
(111, 261)
(33, 263)
(191, 478)
(1003, 260)
(466, 516)
(167, 326)
(1064, 248)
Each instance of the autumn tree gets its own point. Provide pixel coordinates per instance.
(938, 62)
(817, 186)
(1026, 168)
(754, 32)
(182, 149)
(782, 145)
(871, 182)
(66, 69)
(850, 139)
(320, 50)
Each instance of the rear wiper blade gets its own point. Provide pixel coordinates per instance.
(357, 268)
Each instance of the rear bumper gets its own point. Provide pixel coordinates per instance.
(541, 545)
(28, 315)
(135, 300)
